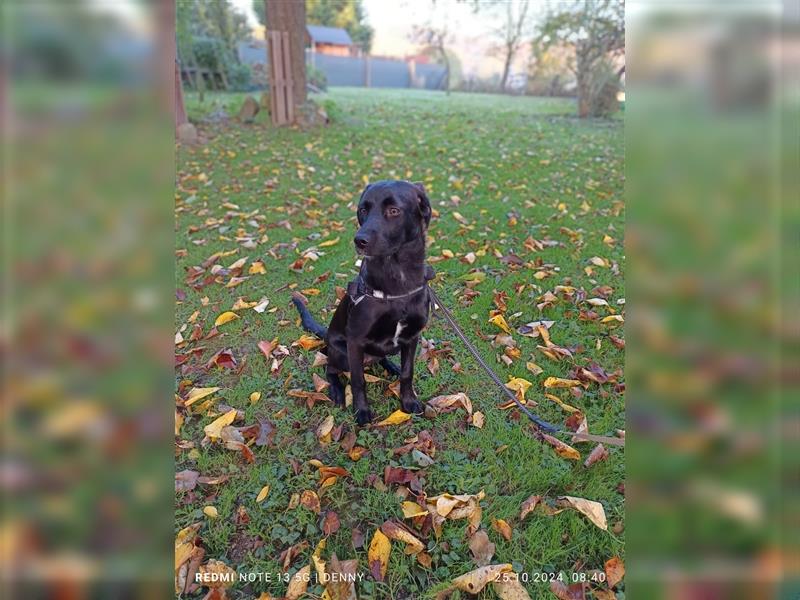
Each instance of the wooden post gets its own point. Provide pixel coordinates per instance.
(281, 81)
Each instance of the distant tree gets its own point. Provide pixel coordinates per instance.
(512, 33)
(435, 41)
(596, 31)
(347, 14)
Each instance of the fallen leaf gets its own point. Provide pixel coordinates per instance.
(593, 510)
(225, 317)
(478, 419)
(519, 386)
(263, 493)
(298, 583)
(474, 581)
(500, 321)
(510, 589)
(210, 512)
(262, 305)
(214, 429)
(528, 506)
(330, 523)
(324, 430)
(310, 500)
(482, 549)
(196, 394)
(561, 448)
(395, 418)
(329, 243)
(564, 592)
(395, 531)
(503, 528)
(451, 402)
(223, 577)
(412, 509)
(308, 342)
(186, 481)
(599, 453)
(615, 571)
(558, 382)
(567, 407)
(378, 554)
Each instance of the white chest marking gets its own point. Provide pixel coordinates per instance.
(398, 329)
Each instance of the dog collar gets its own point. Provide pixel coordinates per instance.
(360, 290)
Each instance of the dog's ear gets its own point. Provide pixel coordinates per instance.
(424, 203)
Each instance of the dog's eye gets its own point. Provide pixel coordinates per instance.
(393, 211)
(362, 211)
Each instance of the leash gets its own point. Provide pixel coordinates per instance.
(540, 424)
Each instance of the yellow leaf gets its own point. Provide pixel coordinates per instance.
(510, 589)
(520, 386)
(178, 423)
(609, 318)
(379, 550)
(561, 403)
(562, 449)
(255, 397)
(299, 583)
(329, 243)
(534, 368)
(308, 342)
(474, 581)
(257, 268)
(225, 317)
(500, 321)
(503, 528)
(263, 493)
(412, 509)
(196, 394)
(395, 418)
(478, 419)
(226, 576)
(593, 510)
(210, 512)
(324, 429)
(213, 430)
(599, 262)
(557, 382)
(597, 302)
(396, 532)
(448, 253)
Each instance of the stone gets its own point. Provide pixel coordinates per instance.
(249, 110)
(187, 133)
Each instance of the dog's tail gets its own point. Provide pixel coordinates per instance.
(308, 322)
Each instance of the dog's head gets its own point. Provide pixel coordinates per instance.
(390, 214)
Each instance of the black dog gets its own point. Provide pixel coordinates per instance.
(386, 307)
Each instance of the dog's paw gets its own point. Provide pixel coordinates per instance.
(337, 395)
(412, 406)
(364, 416)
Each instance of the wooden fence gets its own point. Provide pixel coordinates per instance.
(280, 78)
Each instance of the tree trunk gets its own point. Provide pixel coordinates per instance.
(583, 68)
(180, 108)
(290, 16)
(506, 69)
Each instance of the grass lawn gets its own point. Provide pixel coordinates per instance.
(527, 199)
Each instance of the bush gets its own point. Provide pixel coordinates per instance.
(316, 78)
(239, 77)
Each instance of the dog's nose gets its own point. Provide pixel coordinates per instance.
(361, 241)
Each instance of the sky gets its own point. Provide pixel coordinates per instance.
(393, 22)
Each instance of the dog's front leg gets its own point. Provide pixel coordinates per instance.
(408, 398)
(355, 358)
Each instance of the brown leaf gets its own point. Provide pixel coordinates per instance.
(397, 531)
(482, 549)
(593, 510)
(599, 453)
(319, 383)
(510, 589)
(564, 592)
(615, 571)
(357, 537)
(528, 506)
(330, 524)
(310, 500)
(186, 480)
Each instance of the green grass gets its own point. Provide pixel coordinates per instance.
(489, 158)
